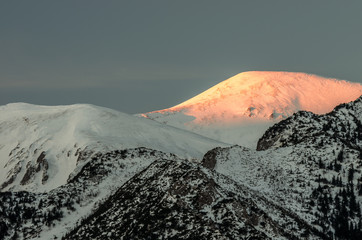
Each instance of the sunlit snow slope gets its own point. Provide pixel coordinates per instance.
(240, 109)
(41, 146)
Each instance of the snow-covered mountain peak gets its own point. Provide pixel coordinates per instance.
(239, 109)
(269, 95)
(40, 146)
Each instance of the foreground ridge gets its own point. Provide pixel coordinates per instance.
(177, 199)
(310, 164)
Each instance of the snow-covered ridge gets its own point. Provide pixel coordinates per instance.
(267, 94)
(175, 199)
(40, 146)
(343, 123)
(303, 159)
(239, 109)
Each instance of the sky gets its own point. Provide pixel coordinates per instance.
(139, 56)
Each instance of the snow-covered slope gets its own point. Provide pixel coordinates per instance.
(310, 164)
(240, 109)
(51, 214)
(343, 124)
(175, 199)
(170, 198)
(41, 146)
(305, 183)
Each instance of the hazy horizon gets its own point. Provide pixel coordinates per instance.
(140, 56)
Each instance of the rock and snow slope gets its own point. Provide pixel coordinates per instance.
(51, 214)
(240, 109)
(88, 174)
(176, 199)
(41, 146)
(309, 164)
(169, 198)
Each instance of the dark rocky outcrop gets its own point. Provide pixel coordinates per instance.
(343, 124)
(180, 200)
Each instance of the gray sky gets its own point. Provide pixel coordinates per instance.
(139, 56)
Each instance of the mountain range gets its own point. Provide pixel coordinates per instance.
(87, 172)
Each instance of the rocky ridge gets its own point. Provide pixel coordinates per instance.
(311, 164)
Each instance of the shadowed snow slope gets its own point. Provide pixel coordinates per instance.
(40, 146)
(239, 109)
(302, 158)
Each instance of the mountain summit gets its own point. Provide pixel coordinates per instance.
(258, 99)
(40, 146)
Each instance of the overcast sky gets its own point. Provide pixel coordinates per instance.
(138, 56)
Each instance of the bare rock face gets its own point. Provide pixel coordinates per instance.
(33, 168)
(209, 159)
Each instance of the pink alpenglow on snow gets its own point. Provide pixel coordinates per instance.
(268, 94)
(248, 103)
